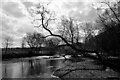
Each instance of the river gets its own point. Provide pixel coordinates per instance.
(41, 67)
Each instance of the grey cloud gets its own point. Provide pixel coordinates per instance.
(70, 5)
(26, 28)
(12, 8)
(88, 15)
(28, 4)
(5, 25)
(92, 15)
(14, 36)
(8, 29)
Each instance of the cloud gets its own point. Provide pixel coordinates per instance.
(7, 23)
(16, 22)
(12, 9)
(28, 4)
(11, 27)
(81, 10)
(25, 28)
(70, 5)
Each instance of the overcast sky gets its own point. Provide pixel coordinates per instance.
(15, 19)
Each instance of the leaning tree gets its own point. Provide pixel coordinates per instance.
(42, 19)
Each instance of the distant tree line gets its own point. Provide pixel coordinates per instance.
(37, 40)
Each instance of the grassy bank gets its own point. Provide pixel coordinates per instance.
(86, 68)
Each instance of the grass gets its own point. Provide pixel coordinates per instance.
(85, 69)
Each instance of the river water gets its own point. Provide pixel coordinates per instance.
(42, 67)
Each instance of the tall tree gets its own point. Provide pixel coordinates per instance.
(69, 29)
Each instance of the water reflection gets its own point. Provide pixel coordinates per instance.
(42, 68)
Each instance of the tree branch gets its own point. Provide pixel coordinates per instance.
(112, 11)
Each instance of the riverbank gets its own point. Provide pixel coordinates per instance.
(87, 68)
(49, 66)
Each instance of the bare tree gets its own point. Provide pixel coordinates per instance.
(111, 14)
(69, 29)
(7, 42)
(89, 30)
(34, 40)
(44, 17)
(52, 42)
